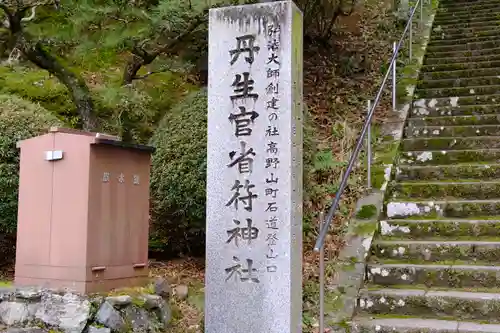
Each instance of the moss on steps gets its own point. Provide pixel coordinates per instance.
(450, 157)
(424, 252)
(452, 131)
(490, 119)
(479, 20)
(458, 91)
(465, 110)
(459, 82)
(436, 304)
(446, 40)
(464, 47)
(450, 143)
(406, 325)
(444, 61)
(461, 53)
(431, 209)
(451, 276)
(464, 35)
(462, 31)
(475, 8)
(454, 229)
(460, 73)
(452, 25)
(450, 172)
(445, 102)
(445, 190)
(461, 66)
(478, 15)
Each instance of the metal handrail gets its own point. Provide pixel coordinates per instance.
(325, 224)
(359, 144)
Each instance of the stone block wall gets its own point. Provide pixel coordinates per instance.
(33, 310)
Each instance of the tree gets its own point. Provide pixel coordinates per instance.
(138, 30)
(36, 52)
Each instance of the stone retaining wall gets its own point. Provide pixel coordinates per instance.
(37, 311)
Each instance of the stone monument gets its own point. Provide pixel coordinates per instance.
(254, 176)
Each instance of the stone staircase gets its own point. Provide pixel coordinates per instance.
(435, 263)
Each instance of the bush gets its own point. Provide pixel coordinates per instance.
(178, 178)
(7, 249)
(39, 87)
(19, 120)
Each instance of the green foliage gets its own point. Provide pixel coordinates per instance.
(127, 112)
(366, 212)
(19, 120)
(178, 178)
(38, 87)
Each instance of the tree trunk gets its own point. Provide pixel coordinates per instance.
(77, 87)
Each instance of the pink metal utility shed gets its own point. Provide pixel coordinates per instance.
(83, 212)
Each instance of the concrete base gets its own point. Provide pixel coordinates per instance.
(80, 279)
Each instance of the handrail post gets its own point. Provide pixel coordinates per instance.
(369, 149)
(411, 35)
(421, 25)
(321, 279)
(394, 79)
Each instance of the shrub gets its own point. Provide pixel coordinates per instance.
(38, 87)
(19, 120)
(178, 178)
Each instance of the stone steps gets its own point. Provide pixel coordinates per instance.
(442, 208)
(472, 252)
(468, 306)
(466, 13)
(459, 82)
(453, 25)
(442, 102)
(483, 190)
(466, 32)
(438, 275)
(444, 229)
(461, 66)
(462, 32)
(457, 60)
(452, 131)
(455, 5)
(464, 47)
(486, 119)
(495, 5)
(464, 172)
(460, 73)
(450, 143)
(417, 325)
(481, 19)
(458, 91)
(465, 110)
(442, 157)
(434, 264)
(461, 53)
(463, 40)
(466, 36)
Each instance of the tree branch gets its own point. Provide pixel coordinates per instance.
(141, 57)
(35, 52)
(77, 87)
